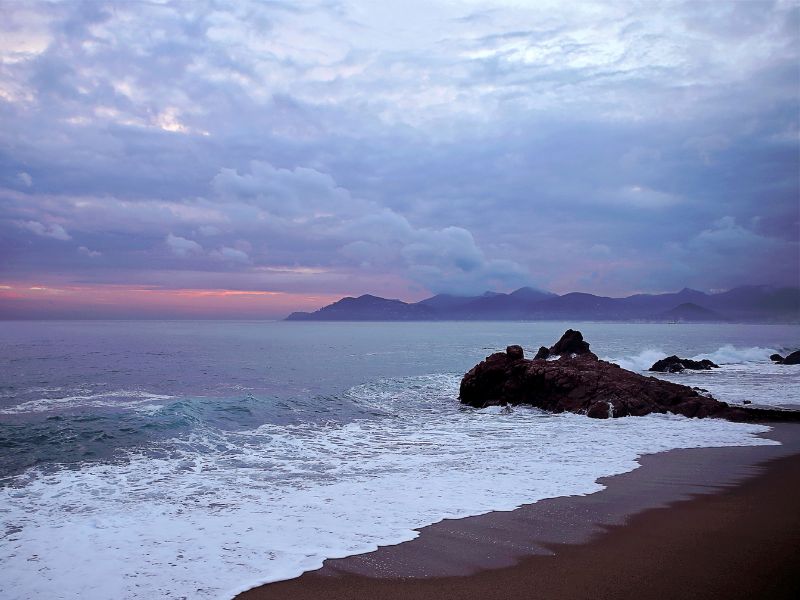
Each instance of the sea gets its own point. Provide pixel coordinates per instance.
(197, 459)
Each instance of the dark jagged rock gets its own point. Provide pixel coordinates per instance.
(515, 352)
(599, 389)
(792, 359)
(571, 343)
(673, 364)
(581, 384)
(542, 354)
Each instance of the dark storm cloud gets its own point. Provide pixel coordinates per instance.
(352, 147)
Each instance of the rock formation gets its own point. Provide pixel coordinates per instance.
(792, 359)
(581, 383)
(673, 364)
(515, 352)
(570, 344)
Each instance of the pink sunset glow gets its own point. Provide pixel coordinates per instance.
(119, 301)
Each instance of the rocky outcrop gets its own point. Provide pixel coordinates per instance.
(570, 344)
(581, 383)
(515, 352)
(792, 359)
(673, 364)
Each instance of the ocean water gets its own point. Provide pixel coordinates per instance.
(198, 459)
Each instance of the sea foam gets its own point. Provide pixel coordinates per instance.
(726, 355)
(746, 374)
(216, 512)
(117, 399)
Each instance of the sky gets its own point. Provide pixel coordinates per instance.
(247, 159)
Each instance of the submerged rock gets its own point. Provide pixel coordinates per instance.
(673, 364)
(581, 383)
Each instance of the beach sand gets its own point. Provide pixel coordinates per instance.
(705, 523)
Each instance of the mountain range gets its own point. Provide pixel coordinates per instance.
(746, 303)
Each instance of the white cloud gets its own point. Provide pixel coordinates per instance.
(52, 230)
(640, 196)
(25, 179)
(87, 252)
(181, 246)
(229, 254)
(442, 260)
(291, 193)
(209, 230)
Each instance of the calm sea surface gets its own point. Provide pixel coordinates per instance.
(196, 459)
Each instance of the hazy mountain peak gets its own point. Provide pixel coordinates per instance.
(746, 303)
(528, 291)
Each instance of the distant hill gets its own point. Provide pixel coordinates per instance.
(756, 301)
(747, 303)
(491, 305)
(367, 308)
(688, 311)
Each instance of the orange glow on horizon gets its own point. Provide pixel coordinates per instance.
(223, 293)
(19, 298)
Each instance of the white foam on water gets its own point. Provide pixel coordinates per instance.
(761, 383)
(728, 355)
(112, 399)
(745, 375)
(226, 511)
(638, 362)
(12, 393)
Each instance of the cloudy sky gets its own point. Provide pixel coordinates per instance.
(250, 158)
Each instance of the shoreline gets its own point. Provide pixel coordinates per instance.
(680, 512)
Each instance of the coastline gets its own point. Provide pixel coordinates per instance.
(687, 523)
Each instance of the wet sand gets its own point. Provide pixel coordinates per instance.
(706, 523)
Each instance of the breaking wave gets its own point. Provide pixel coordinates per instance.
(726, 355)
(270, 502)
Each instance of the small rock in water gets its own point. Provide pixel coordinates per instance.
(792, 359)
(673, 364)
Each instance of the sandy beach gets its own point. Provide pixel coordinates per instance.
(702, 523)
